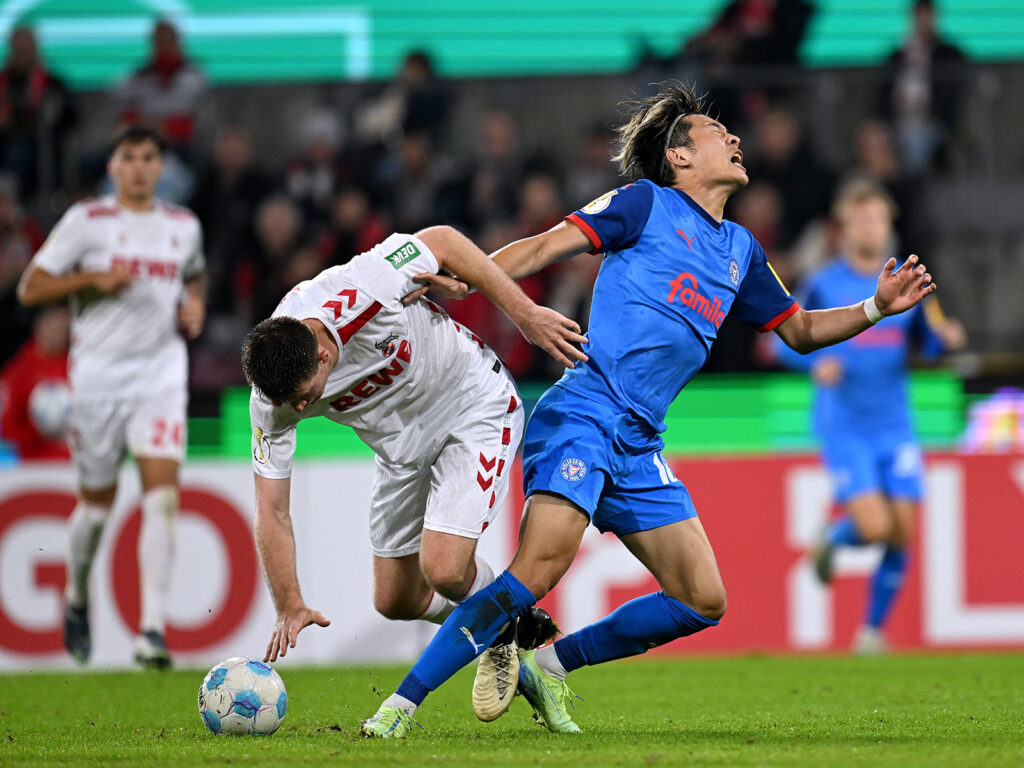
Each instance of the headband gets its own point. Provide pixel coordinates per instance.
(668, 139)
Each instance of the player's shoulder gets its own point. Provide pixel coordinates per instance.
(740, 236)
(175, 211)
(94, 208)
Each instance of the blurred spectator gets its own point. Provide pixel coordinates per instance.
(19, 239)
(416, 101)
(782, 157)
(355, 227)
(593, 173)
(496, 169)
(926, 79)
(34, 390)
(35, 113)
(753, 32)
(417, 184)
(166, 92)
(226, 199)
(312, 176)
(747, 34)
(279, 231)
(876, 159)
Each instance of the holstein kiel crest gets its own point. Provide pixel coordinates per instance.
(573, 469)
(734, 272)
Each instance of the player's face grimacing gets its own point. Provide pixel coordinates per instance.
(135, 169)
(313, 388)
(716, 153)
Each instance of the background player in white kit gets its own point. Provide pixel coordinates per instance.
(132, 266)
(436, 405)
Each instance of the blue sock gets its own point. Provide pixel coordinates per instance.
(467, 633)
(885, 585)
(631, 629)
(843, 533)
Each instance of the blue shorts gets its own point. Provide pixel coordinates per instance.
(861, 464)
(604, 462)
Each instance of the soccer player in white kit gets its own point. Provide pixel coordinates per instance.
(132, 267)
(435, 404)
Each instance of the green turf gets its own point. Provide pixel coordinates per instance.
(932, 710)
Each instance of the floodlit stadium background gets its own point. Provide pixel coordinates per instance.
(288, 74)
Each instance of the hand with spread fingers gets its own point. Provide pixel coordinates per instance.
(554, 333)
(286, 630)
(899, 290)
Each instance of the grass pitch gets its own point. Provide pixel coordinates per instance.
(930, 710)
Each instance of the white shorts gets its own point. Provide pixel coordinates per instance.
(461, 488)
(102, 431)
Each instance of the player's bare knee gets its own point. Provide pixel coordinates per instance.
(711, 604)
(394, 607)
(450, 580)
(875, 529)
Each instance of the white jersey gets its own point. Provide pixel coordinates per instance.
(404, 374)
(126, 345)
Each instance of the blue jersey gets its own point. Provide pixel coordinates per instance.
(670, 275)
(872, 396)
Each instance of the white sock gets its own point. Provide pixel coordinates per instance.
(484, 576)
(84, 529)
(156, 554)
(547, 660)
(400, 702)
(439, 608)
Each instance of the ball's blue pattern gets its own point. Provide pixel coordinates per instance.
(216, 678)
(258, 668)
(247, 703)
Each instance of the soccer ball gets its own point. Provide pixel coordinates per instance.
(48, 408)
(242, 695)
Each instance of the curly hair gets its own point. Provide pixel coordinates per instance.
(654, 126)
(278, 356)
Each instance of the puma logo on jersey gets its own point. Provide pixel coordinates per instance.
(375, 381)
(689, 240)
(478, 647)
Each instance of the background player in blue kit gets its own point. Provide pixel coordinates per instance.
(870, 451)
(672, 270)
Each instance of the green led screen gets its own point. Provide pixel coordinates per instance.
(93, 43)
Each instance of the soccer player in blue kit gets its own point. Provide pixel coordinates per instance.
(673, 269)
(870, 451)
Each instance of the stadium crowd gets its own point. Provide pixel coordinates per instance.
(391, 164)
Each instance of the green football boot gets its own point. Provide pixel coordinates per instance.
(549, 696)
(388, 723)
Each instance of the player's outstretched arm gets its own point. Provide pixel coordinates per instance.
(532, 254)
(549, 330)
(37, 286)
(897, 292)
(275, 543)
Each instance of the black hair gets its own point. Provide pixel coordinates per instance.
(645, 137)
(278, 356)
(137, 134)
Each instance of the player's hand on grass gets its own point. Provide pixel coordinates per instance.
(441, 285)
(553, 333)
(191, 316)
(286, 630)
(899, 291)
(113, 281)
